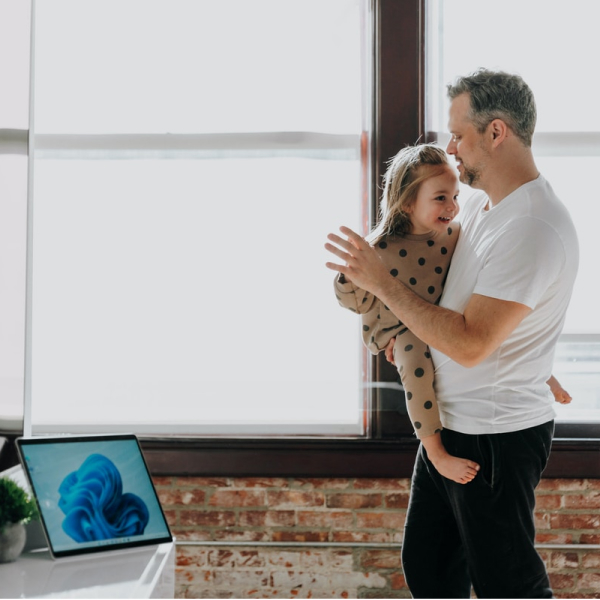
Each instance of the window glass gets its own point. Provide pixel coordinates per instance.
(190, 66)
(186, 292)
(551, 45)
(191, 292)
(14, 122)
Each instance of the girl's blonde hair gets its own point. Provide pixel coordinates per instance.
(401, 182)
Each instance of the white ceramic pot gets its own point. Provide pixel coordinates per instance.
(12, 542)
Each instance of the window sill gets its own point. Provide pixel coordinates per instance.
(571, 458)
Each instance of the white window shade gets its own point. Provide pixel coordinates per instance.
(186, 176)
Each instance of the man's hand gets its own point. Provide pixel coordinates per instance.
(362, 264)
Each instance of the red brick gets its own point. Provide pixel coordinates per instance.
(210, 518)
(220, 558)
(322, 484)
(589, 581)
(380, 520)
(554, 538)
(591, 560)
(175, 497)
(188, 556)
(382, 484)
(300, 536)
(260, 482)
(249, 558)
(381, 559)
(591, 500)
(564, 560)
(589, 538)
(562, 485)
(398, 581)
(349, 537)
(399, 500)
(575, 521)
(329, 519)
(235, 498)
(209, 482)
(561, 581)
(162, 481)
(548, 501)
(355, 501)
(244, 535)
(252, 518)
(294, 498)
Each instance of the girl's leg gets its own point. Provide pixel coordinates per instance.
(414, 364)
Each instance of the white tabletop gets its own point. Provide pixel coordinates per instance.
(147, 572)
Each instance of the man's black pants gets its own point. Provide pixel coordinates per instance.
(481, 533)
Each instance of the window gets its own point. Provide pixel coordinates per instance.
(382, 445)
(566, 143)
(185, 176)
(14, 123)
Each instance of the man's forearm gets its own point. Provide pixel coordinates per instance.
(443, 329)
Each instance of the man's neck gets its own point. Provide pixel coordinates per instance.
(510, 177)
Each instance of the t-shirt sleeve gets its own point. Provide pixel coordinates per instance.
(526, 259)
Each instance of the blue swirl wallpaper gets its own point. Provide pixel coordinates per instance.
(94, 504)
(95, 493)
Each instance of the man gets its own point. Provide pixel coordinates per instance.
(492, 339)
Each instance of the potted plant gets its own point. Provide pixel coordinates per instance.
(16, 509)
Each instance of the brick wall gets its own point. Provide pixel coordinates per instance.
(332, 538)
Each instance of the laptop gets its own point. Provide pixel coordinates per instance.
(94, 493)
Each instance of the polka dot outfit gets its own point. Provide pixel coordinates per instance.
(421, 262)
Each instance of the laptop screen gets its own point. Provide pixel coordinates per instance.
(94, 493)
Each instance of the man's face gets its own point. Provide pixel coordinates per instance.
(467, 145)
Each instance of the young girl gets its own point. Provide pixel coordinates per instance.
(415, 238)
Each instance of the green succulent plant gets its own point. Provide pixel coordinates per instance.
(16, 506)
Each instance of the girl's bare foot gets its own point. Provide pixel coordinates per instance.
(457, 469)
(461, 470)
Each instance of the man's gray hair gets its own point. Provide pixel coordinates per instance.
(498, 95)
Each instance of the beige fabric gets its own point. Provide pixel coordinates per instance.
(421, 262)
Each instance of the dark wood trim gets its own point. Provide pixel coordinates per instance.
(399, 121)
(570, 458)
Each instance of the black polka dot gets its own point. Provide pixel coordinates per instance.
(364, 300)
(419, 372)
(428, 404)
(417, 425)
(366, 328)
(444, 250)
(449, 230)
(439, 270)
(408, 348)
(431, 289)
(409, 395)
(437, 431)
(412, 281)
(430, 243)
(383, 245)
(403, 253)
(394, 272)
(427, 354)
(421, 261)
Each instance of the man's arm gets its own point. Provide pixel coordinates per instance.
(466, 338)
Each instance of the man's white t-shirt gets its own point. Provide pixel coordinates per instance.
(523, 250)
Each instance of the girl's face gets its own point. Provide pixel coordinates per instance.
(436, 203)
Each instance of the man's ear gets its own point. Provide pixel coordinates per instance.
(498, 130)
